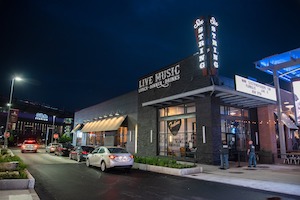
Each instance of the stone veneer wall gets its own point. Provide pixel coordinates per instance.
(208, 115)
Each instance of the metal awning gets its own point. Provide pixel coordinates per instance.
(77, 127)
(287, 121)
(227, 96)
(286, 64)
(109, 124)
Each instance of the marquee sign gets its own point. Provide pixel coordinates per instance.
(254, 88)
(206, 37)
(161, 79)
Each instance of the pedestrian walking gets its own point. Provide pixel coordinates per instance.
(224, 155)
(251, 154)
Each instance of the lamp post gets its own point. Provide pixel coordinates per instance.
(53, 127)
(9, 107)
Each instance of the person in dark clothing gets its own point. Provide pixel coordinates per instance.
(251, 154)
(224, 155)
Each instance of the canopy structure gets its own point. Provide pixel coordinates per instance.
(226, 95)
(287, 65)
(77, 127)
(109, 124)
(284, 66)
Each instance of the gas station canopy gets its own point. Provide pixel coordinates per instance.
(286, 64)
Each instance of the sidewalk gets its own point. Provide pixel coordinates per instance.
(281, 178)
(28, 194)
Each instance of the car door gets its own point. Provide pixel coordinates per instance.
(93, 156)
(99, 156)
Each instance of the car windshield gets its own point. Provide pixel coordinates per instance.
(88, 149)
(66, 145)
(117, 150)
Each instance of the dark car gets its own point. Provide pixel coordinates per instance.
(63, 149)
(80, 153)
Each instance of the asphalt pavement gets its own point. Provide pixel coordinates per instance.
(279, 178)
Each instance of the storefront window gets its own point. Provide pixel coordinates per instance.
(177, 131)
(235, 127)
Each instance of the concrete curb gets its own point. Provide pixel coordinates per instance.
(18, 184)
(167, 170)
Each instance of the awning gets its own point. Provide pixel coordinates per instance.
(109, 124)
(226, 95)
(287, 121)
(77, 127)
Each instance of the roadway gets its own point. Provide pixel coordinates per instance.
(58, 178)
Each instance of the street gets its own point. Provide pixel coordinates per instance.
(60, 178)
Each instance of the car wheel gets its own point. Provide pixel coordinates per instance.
(103, 166)
(22, 151)
(87, 163)
(78, 158)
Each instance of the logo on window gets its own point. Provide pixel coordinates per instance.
(174, 126)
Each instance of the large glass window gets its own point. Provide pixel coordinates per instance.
(235, 127)
(177, 131)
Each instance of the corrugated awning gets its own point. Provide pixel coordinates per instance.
(226, 95)
(287, 121)
(77, 127)
(109, 124)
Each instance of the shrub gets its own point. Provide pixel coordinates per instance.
(164, 162)
(21, 174)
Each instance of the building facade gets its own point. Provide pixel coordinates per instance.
(180, 112)
(111, 123)
(33, 120)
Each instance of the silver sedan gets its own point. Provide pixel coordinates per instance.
(110, 157)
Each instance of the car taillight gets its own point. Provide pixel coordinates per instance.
(131, 156)
(23, 146)
(35, 146)
(84, 152)
(112, 156)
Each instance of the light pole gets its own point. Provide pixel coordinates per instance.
(53, 127)
(9, 107)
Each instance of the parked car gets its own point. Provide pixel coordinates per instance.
(63, 149)
(29, 146)
(50, 148)
(80, 153)
(110, 157)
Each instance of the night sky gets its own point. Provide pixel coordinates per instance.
(75, 54)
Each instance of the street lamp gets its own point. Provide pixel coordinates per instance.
(9, 107)
(53, 127)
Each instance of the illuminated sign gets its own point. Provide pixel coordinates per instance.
(200, 38)
(206, 37)
(254, 88)
(41, 116)
(296, 90)
(161, 79)
(213, 31)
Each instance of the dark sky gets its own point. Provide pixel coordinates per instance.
(74, 54)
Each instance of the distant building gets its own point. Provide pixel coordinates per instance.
(33, 120)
